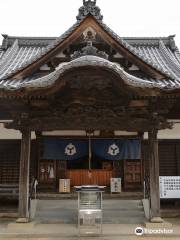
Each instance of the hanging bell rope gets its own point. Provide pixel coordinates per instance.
(90, 157)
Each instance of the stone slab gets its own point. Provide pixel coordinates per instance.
(70, 232)
(158, 225)
(19, 225)
(8, 215)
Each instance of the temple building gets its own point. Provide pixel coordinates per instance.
(89, 106)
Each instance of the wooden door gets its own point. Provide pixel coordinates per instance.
(118, 169)
(132, 174)
(61, 170)
(47, 173)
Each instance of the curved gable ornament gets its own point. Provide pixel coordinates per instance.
(89, 7)
(86, 61)
(89, 50)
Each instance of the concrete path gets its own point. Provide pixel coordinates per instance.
(57, 220)
(70, 231)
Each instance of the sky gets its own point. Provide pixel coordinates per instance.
(127, 18)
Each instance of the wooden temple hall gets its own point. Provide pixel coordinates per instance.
(88, 106)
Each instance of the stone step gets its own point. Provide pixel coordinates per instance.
(107, 204)
(114, 211)
(59, 196)
(123, 204)
(134, 213)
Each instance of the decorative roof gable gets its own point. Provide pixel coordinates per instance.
(89, 8)
(159, 57)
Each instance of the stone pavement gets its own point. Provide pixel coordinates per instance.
(58, 220)
(33, 230)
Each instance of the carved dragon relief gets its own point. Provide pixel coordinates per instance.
(99, 120)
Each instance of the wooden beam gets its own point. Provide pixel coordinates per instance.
(85, 118)
(24, 176)
(154, 176)
(76, 122)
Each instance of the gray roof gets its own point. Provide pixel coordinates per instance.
(16, 56)
(84, 61)
(25, 50)
(11, 61)
(1, 52)
(45, 41)
(21, 50)
(161, 52)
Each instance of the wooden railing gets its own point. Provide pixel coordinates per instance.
(84, 177)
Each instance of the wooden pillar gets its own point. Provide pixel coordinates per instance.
(154, 176)
(24, 176)
(38, 147)
(141, 137)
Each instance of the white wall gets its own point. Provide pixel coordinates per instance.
(168, 133)
(83, 133)
(68, 133)
(11, 134)
(124, 133)
(162, 134)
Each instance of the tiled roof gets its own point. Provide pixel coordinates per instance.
(136, 52)
(27, 41)
(90, 61)
(151, 41)
(45, 41)
(163, 57)
(25, 50)
(36, 54)
(17, 54)
(1, 52)
(161, 53)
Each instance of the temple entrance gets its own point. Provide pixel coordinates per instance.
(99, 174)
(71, 159)
(77, 171)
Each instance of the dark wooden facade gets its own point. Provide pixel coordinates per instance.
(91, 79)
(130, 171)
(10, 161)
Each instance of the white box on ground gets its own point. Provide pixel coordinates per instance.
(115, 185)
(64, 185)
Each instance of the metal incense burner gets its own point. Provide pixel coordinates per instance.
(90, 209)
